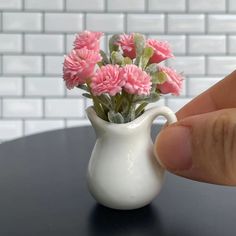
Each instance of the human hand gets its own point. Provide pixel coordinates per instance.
(202, 144)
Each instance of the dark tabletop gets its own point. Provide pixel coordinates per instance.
(43, 192)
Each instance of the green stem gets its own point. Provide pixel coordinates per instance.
(130, 99)
(102, 103)
(140, 109)
(119, 102)
(113, 102)
(97, 106)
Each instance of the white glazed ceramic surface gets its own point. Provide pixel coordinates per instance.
(123, 172)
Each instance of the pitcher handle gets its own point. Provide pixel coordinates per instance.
(152, 113)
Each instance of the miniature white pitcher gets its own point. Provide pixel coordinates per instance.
(123, 172)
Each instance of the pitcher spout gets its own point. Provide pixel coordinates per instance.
(98, 124)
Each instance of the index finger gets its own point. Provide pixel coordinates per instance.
(220, 96)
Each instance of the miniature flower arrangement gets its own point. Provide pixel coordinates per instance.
(122, 173)
(124, 81)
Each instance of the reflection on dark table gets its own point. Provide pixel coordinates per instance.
(105, 221)
(43, 192)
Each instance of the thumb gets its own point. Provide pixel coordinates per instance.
(201, 147)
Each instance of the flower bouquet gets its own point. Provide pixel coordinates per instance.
(122, 172)
(124, 81)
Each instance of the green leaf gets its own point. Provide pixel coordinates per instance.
(115, 117)
(152, 97)
(105, 59)
(83, 87)
(117, 58)
(131, 114)
(127, 61)
(125, 106)
(118, 102)
(112, 43)
(154, 88)
(105, 101)
(99, 109)
(140, 109)
(158, 77)
(152, 68)
(155, 79)
(87, 95)
(139, 42)
(100, 64)
(147, 54)
(161, 77)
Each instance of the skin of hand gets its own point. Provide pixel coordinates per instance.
(202, 144)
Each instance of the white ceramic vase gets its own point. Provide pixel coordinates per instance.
(123, 172)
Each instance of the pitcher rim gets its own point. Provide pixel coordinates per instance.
(91, 108)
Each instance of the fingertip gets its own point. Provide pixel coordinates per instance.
(173, 148)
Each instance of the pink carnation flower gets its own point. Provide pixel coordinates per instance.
(89, 40)
(126, 42)
(78, 66)
(162, 50)
(137, 81)
(107, 80)
(174, 81)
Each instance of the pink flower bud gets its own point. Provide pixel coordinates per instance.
(162, 50)
(174, 81)
(126, 42)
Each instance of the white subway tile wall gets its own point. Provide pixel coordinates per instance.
(88, 5)
(43, 86)
(11, 43)
(186, 23)
(105, 22)
(146, 23)
(10, 4)
(131, 5)
(189, 65)
(232, 5)
(41, 43)
(232, 44)
(63, 22)
(222, 23)
(201, 84)
(22, 21)
(22, 107)
(207, 44)
(177, 42)
(44, 5)
(64, 107)
(11, 86)
(11, 129)
(176, 104)
(36, 126)
(167, 5)
(53, 65)
(207, 6)
(22, 64)
(35, 35)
